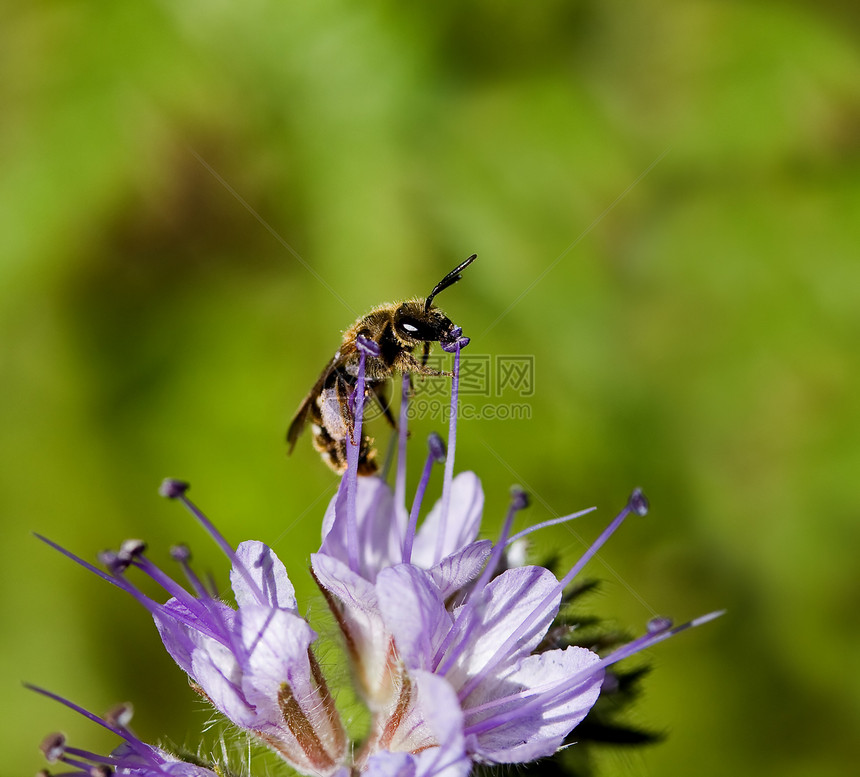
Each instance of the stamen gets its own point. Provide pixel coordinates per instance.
(553, 522)
(117, 567)
(172, 588)
(112, 561)
(636, 504)
(658, 624)
(181, 554)
(458, 343)
(78, 560)
(99, 760)
(365, 347)
(175, 489)
(53, 747)
(435, 454)
(437, 447)
(86, 713)
(402, 435)
(132, 549)
(200, 611)
(120, 714)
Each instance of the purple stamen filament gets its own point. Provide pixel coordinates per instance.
(222, 543)
(191, 576)
(402, 434)
(449, 461)
(353, 444)
(139, 748)
(120, 732)
(553, 522)
(416, 507)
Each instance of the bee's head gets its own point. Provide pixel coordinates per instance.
(416, 322)
(413, 324)
(419, 322)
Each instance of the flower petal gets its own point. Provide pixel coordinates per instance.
(379, 528)
(388, 764)
(454, 571)
(442, 713)
(535, 725)
(414, 613)
(510, 600)
(276, 643)
(339, 580)
(215, 670)
(461, 528)
(257, 572)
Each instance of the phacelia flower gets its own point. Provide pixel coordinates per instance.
(448, 640)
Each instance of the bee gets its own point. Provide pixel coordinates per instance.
(397, 329)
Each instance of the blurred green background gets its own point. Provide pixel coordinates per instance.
(665, 200)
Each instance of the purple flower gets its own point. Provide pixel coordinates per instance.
(447, 639)
(253, 663)
(132, 757)
(409, 605)
(461, 646)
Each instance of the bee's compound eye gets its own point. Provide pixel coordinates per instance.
(410, 328)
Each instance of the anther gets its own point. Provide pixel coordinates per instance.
(112, 560)
(455, 341)
(131, 549)
(437, 447)
(54, 747)
(638, 502)
(659, 624)
(173, 489)
(100, 770)
(368, 346)
(519, 498)
(120, 714)
(180, 553)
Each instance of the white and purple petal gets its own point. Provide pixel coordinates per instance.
(460, 528)
(414, 612)
(258, 577)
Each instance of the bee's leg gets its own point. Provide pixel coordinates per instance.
(426, 354)
(378, 393)
(406, 362)
(344, 392)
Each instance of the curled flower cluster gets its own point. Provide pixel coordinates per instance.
(445, 637)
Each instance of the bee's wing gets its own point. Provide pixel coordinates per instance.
(301, 417)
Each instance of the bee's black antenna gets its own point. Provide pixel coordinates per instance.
(449, 280)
